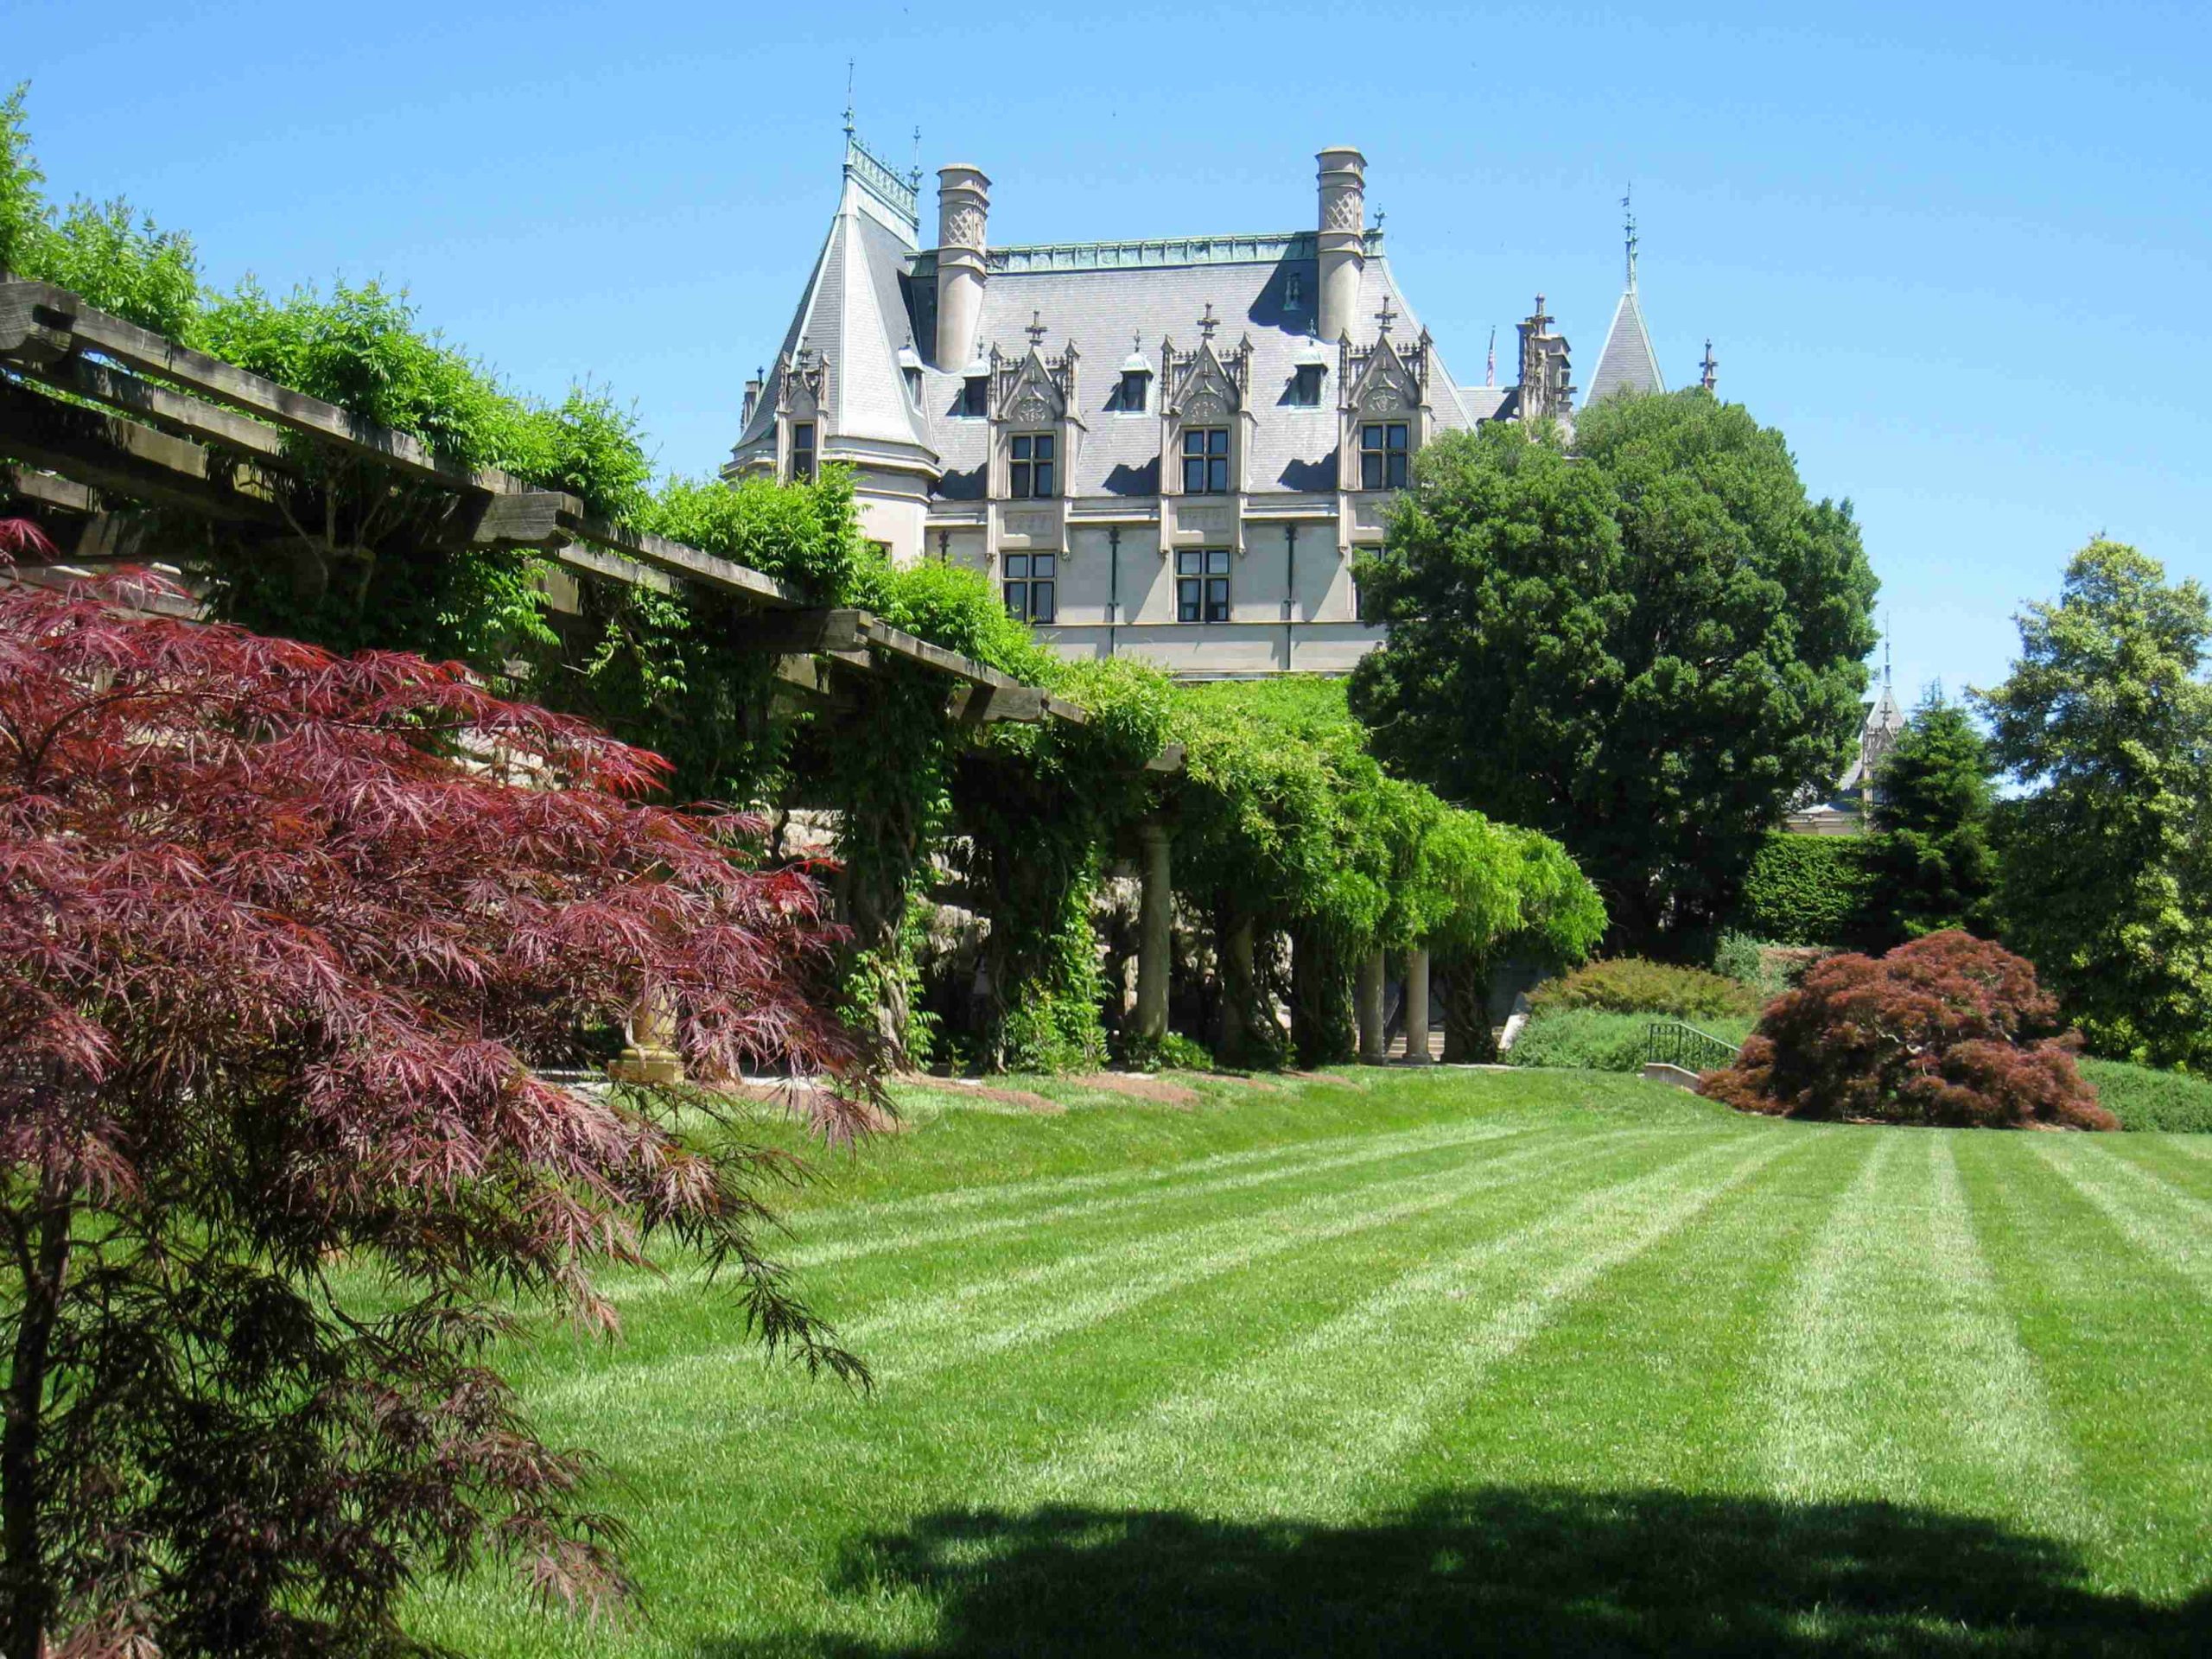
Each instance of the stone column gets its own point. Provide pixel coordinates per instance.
(1155, 915)
(1417, 1005)
(1368, 995)
(649, 1055)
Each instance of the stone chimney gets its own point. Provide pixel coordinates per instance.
(752, 390)
(963, 203)
(1342, 243)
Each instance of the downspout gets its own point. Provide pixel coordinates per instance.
(1289, 592)
(1113, 583)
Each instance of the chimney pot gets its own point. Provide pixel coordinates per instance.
(963, 205)
(1340, 246)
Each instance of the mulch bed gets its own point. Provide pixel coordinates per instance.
(1153, 1088)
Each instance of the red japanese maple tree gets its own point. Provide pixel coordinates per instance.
(275, 937)
(1947, 1030)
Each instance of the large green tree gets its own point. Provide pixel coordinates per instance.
(2106, 885)
(1644, 643)
(1930, 860)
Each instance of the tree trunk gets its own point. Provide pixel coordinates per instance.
(30, 1596)
(1320, 1013)
(1468, 1039)
(1243, 1041)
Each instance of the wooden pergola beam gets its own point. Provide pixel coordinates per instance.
(129, 394)
(45, 331)
(114, 454)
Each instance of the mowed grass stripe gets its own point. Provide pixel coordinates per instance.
(1152, 1194)
(2149, 1214)
(1290, 1431)
(1152, 1187)
(1641, 1385)
(2119, 1342)
(909, 1341)
(851, 1289)
(1027, 1194)
(965, 1324)
(1897, 1372)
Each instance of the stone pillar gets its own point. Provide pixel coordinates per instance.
(1155, 938)
(1368, 996)
(1341, 246)
(1417, 1005)
(649, 1055)
(963, 203)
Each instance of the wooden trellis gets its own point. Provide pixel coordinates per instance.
(146, 418)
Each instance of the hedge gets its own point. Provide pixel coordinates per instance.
(1809, 890)
(2144, 1098)
(1597, 1040)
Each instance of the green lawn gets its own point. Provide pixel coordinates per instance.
(1447, 1361)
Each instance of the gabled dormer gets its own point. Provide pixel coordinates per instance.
(802, 395)
(1034, 423)
(1205, 421)
(1385, 412)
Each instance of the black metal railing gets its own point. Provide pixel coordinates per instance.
(1669, 1042)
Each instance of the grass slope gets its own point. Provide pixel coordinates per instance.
(1422, 1364)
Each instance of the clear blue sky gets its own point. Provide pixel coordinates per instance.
(1959, 254)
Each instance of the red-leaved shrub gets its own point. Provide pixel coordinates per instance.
(1949, 1030)
(275, 941)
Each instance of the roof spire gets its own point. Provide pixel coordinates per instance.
(849, 98)
(1628, 213)
(1708, 370)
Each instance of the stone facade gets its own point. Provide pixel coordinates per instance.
(1170, 448)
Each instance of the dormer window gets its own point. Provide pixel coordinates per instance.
(1205, 461)
(976, 397)
(914, 387)
(1130, 400)
(1382, 456)
(802, 452)
(1306, 386)
(1294, 292)
(1029, 470)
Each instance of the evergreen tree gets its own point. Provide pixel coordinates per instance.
(2107, 879)
(1643, 647)
(1931, 858)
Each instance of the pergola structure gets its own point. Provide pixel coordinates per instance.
(139, 416)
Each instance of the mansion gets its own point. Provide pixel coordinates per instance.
(1170, 448)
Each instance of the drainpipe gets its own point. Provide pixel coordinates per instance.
(1113, 583)
(1290, 592)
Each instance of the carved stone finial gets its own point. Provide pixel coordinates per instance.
(1207, 323)
(1036, 330)
(1385, 317)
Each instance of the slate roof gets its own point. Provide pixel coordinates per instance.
(853, 315)
(867, 300)
(1628, 363)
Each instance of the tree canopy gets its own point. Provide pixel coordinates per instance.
(1644, 644)
(1931, 859)
(279, 946)
(2105, 723)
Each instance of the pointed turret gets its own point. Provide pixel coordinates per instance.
(1627, 363)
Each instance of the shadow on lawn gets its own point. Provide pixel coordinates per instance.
(1535, 1572)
